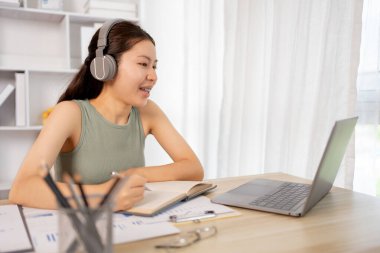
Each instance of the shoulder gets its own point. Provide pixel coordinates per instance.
(66, 114)
(151, 115)
(151, 109)
(67, 108)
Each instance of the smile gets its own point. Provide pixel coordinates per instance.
(146, 89)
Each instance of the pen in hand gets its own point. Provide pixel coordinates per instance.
(111, 191)
(117, 174)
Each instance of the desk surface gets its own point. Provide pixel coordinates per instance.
(344, 221)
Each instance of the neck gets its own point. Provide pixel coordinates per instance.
(112, 109)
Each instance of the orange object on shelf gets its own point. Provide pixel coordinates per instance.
(46, 114)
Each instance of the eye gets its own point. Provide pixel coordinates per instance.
(143, 64)
(154, 66)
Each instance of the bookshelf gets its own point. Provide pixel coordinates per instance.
(44, 46)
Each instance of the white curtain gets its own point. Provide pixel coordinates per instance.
(190, 45)
(367, 160)
(290, 71)
(264, 98)
(203, 79)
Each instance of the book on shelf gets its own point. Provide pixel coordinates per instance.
(110, 5)
(161, 195)
(112, 13)
(6, 92)
(20, 99)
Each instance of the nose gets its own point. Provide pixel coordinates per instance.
(152, 75)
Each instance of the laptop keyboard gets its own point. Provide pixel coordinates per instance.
(285, 198)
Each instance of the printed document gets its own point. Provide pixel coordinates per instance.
(43, 227)
(13, 234)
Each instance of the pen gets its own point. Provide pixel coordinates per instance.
(69, 181)
(90, 245)
(44, 172)
(192, 217)
(117, 177)
(82, 205)
(77, 180)
(117, 174)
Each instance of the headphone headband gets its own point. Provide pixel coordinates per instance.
(103, 33)
(104, 67)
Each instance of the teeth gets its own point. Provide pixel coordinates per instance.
(146, 89)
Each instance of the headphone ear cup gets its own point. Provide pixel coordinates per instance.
(103, 68)
(110, 66)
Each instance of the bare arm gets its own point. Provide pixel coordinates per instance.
(62, 128)
(185, 166)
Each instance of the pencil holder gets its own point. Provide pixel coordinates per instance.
(85, 229)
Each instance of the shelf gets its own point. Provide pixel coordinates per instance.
(52, 16)
(90, 19)
(17, 128)
(31, 47)
(12, 69)
(46, 46)
(32, 14)
(86, 19)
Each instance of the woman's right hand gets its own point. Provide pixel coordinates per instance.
(130, 193)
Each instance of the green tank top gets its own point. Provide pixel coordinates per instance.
(103, 147)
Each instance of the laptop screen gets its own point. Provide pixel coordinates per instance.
(330, 161)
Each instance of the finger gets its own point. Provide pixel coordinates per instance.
(129, 192)
(133, 192)
(135, 181)
(129, 202)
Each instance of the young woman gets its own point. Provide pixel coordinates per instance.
(100, 124)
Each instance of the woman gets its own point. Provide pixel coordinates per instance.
(100, 123)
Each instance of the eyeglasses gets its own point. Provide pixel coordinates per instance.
(189, 238)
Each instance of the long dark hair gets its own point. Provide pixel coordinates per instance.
(121, 38)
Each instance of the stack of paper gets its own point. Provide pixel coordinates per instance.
(111, 8)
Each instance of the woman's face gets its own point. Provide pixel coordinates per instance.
(136, 74)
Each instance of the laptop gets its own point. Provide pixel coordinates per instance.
(289, 198)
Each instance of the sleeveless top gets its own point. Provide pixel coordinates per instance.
(103, 147)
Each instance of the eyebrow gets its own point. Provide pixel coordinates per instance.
(148, 58)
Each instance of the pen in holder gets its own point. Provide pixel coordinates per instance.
(84, 224)
(85, 229)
